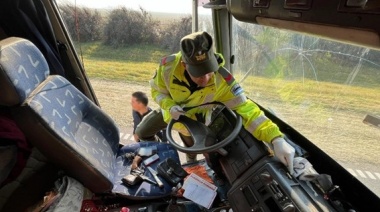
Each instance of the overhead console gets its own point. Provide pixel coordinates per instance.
(355, 21)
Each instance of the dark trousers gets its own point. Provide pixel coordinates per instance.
(150, 125)
(153, 123)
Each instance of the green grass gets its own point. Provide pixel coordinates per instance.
(135, 53)
(137, 64)
(322, 69)
(321, 94)
(119, 70)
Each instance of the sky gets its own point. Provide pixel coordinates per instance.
(171, 6)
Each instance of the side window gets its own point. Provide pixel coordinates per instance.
(121, 45)
(326, 90)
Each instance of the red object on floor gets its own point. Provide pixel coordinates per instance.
(200, 170)
(88, 205)
(9, 131)
(124, 209)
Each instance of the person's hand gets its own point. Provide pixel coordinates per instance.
(136, 137)
(176, 111)
(284, 152)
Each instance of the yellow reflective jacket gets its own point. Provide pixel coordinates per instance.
(170, 87)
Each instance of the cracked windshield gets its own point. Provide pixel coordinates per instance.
(326, 90)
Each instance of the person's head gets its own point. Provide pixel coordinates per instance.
(139, 100)
(198, 57)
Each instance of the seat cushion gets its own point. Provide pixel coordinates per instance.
(144, 190)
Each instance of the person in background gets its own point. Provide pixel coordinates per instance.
(139, 103)
(140, 108)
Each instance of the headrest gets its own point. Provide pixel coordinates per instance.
(22, 69)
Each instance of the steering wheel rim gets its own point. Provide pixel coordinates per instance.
(198, 147)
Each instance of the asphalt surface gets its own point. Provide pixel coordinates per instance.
(368, 174)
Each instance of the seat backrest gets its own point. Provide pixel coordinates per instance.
(57, 118)
(22, 69)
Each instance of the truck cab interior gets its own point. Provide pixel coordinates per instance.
(53, 124)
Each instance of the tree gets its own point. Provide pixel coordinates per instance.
(173, 32)
(128, 27)
(83, 24)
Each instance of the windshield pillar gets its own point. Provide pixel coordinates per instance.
(222, 28)
(194, 16)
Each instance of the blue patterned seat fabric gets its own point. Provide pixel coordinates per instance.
(78, 123)
(67, 127)
(17, 58)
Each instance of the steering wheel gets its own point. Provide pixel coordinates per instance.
(204, 138)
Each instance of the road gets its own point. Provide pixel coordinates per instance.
(368, 174)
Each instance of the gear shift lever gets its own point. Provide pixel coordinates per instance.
(173, 206)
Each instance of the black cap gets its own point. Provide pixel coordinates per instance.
(197, 53)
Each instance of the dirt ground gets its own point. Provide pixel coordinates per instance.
(115, 97)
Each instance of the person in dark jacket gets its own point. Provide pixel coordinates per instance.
(140, 108)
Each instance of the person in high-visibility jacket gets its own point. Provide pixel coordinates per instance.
(195, 76)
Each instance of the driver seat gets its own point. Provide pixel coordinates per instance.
(67, 127)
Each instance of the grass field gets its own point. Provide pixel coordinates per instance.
(329, 114)
(135, 64)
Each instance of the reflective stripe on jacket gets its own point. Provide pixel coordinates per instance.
(170, 87)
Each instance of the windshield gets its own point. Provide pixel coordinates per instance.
(326, 90)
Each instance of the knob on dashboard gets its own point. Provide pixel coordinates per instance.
(289, 207)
